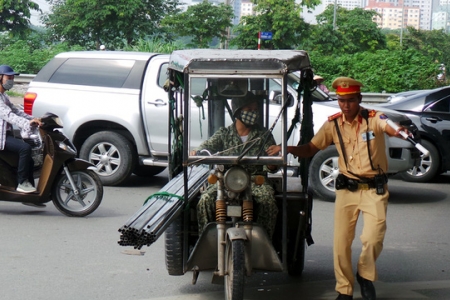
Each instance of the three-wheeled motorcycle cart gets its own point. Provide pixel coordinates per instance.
(201, 85)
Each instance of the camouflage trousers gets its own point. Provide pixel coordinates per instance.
(265, 214)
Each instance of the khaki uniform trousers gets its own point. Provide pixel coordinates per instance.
(347, 208)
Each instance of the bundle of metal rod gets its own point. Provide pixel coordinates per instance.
(145, 230)
(151, 220)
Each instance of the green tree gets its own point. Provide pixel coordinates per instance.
(156, 46)
(383, 70)
(431, 43)
(355, 32)
(15, 16)
(281, 17)
(115, 23)
(202, 22)
(29, 54)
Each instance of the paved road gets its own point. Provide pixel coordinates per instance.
(45, 255)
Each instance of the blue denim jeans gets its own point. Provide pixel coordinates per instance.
(26, 163)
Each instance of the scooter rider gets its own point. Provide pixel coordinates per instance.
(11, 115)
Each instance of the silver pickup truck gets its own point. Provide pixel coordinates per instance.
(115, 110)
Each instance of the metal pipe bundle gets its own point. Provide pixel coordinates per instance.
(147, 224)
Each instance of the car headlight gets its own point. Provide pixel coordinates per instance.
(236, 179)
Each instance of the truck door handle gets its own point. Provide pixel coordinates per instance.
(434, 119)
(158, 102)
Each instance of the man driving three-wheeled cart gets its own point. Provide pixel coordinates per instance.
(229, 207)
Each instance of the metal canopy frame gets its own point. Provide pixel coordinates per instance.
(198, 62)
(217, 61)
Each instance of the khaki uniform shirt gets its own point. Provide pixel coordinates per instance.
(355, 145)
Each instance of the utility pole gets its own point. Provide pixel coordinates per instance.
(334, 15)
(446, 19)
(227, 41)
(403, 21)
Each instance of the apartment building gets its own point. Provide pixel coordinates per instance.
(247, 8)
(441, 15)
(393, 16)
(348, 4)
(390, 11)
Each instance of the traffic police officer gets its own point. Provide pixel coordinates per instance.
(360, 187)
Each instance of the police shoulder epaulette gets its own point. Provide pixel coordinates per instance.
(335, 116)
(372, 113)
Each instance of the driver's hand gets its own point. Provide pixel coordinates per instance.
(35, 122)
(273, 150)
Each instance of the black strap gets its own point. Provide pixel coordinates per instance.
(343, 149)
(365, 115)
(341, 141)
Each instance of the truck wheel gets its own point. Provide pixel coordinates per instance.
(323, 170)
(174, 247)
(112, 154)
(428, 167)
(147, 171)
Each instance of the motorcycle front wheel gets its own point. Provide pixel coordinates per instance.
(235, 270)
(90, 193)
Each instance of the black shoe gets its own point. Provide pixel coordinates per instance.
(38, 205)
(367, 288)
(344, 297)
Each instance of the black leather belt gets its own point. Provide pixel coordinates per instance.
(344, 182)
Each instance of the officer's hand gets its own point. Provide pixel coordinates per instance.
(397, 133)
(273, 150)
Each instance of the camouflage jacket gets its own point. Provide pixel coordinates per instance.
(227, 141)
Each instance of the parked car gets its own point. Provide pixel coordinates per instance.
(430, 112)
(113, 106)
(402, 95)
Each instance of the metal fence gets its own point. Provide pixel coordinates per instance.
(24, 78)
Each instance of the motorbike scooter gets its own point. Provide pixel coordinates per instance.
(234, 245)
(71, 183)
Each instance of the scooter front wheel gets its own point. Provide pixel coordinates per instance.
(235, 270)
(89, 189)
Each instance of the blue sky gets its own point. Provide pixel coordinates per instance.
(44, 6)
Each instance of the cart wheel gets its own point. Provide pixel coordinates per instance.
(235, 270)
(295, 261)
(174, 247)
